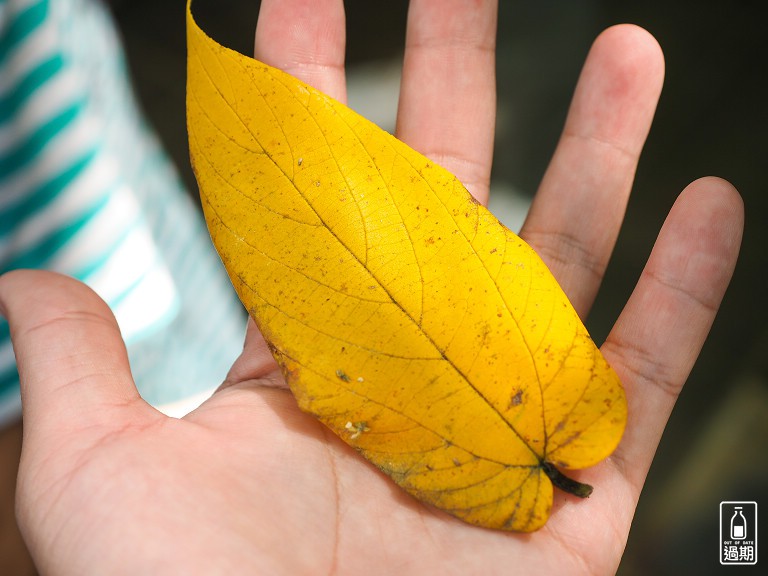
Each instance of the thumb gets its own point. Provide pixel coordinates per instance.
(72, 362)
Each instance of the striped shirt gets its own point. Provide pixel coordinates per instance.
(86, 190)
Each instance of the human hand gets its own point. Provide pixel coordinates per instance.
(247, 483)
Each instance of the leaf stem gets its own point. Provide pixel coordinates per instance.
(566, 484)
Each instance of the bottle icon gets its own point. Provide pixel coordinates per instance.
(738, 525)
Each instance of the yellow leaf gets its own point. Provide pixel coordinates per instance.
(403, 314)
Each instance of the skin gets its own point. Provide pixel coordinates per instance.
(247, 483)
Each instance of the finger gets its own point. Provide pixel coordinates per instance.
(306, 39)
(256, 363)
(447, 102)
(576, 215)
(72, 362)
(660, 332)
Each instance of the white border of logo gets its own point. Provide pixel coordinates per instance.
(723, 538)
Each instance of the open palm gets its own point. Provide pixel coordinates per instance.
(249, 484)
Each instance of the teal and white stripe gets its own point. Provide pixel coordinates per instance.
(86, 190)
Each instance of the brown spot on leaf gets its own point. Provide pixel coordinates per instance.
(342, 376)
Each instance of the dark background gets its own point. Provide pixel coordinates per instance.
(711, 121)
